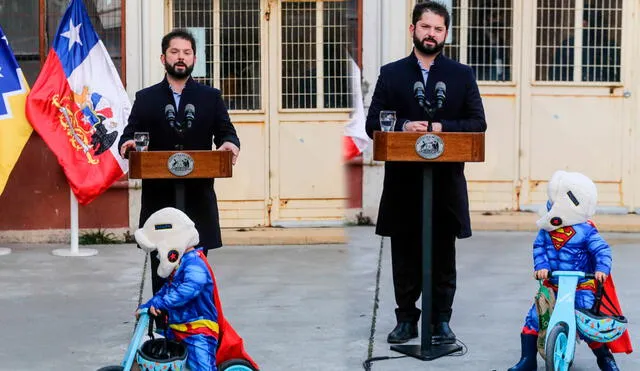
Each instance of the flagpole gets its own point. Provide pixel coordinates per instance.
(74, 249)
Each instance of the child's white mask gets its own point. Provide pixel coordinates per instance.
(171, 232)
(572, 200)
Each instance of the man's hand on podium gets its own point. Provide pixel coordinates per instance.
(228, 146)
(127, 147)
(422, 126)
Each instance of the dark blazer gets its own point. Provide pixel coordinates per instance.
(400, 204)
(211, 125)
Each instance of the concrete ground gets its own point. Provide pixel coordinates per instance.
(495, 289)
(298, 307)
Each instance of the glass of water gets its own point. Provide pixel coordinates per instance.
(387, 120)
(142, 140)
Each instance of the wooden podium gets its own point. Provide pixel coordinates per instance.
(180, 165)
(427, 148)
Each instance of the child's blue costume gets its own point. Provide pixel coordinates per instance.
(193, 318)
(575, 248)
(568, 241)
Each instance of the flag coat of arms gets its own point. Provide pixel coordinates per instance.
(14, 127)
(79, 107)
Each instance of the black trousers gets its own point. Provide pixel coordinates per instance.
(157, 281)
(406, 262)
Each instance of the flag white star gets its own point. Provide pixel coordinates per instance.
(1, 75)
(73, 34)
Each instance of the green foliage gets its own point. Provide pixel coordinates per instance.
(99, 237)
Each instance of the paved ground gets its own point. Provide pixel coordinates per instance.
(494, 292)
(306, 307)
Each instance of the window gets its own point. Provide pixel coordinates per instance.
(315, 54)
(20, 20)
(484, 31)
(228, 31)
(588, 29)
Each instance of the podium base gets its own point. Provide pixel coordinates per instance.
(5, 251)
(436, 351)
(79, 252)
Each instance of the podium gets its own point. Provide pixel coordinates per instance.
(427, 148)
(180, 165)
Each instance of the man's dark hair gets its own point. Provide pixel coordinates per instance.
(180, 34)
(433, 7)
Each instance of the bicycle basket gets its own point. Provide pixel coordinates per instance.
(156, 355)
(598, 326)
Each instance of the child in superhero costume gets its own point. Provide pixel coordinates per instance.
(190, 295)
(569, 241)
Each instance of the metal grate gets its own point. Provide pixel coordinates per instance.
(19, 21)
(228, 31)
(315, 54)
(578, 40)
(106, 18)
(481, 35)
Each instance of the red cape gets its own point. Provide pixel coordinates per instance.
(623, 343)
(230, 344)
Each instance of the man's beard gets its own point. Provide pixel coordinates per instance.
(171, 70)
(428, 50)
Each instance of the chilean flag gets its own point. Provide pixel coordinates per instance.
(79, 107)
(355, 138)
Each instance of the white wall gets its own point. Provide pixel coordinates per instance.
(385, 38)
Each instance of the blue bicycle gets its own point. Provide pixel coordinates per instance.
(566, 320)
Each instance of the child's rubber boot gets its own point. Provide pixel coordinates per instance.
(606, 362)
(528, 361)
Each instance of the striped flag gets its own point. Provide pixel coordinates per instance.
(79, 106)
(355, 139)
(14, 127)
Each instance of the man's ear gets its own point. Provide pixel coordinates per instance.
(412, 27)
(162, 59)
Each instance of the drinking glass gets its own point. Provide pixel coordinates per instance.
(142, 140)
(387, 120)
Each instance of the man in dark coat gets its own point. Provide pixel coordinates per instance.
(400, 214)
(209, 125)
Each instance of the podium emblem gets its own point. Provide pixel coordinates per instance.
(429, 146)
(180, 164)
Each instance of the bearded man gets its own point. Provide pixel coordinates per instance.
(400, 213)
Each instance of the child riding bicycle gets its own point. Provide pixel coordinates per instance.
(569, 241)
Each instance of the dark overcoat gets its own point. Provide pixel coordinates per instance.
(401, 202)
(210, 126)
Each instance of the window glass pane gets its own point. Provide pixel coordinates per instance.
(336, 62)
(19, 20)
(599, 25)
(106, 18)
(240, 53)
(232, 63)
(489, 39)
(299, 55)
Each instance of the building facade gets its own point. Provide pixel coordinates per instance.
(558, 88)
(283, 69)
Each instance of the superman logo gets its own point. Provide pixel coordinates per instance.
(561, 236)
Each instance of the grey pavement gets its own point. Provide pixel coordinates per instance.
(495, 289)
(306, 307)
(288, 303)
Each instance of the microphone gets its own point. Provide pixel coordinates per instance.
(170, 115)
(441, 94)
(418, 93)
(189, 114)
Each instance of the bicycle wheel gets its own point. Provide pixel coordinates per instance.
(236, 365)
(556, 348)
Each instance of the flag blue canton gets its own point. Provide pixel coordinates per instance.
(9, 80)
(75, 37)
